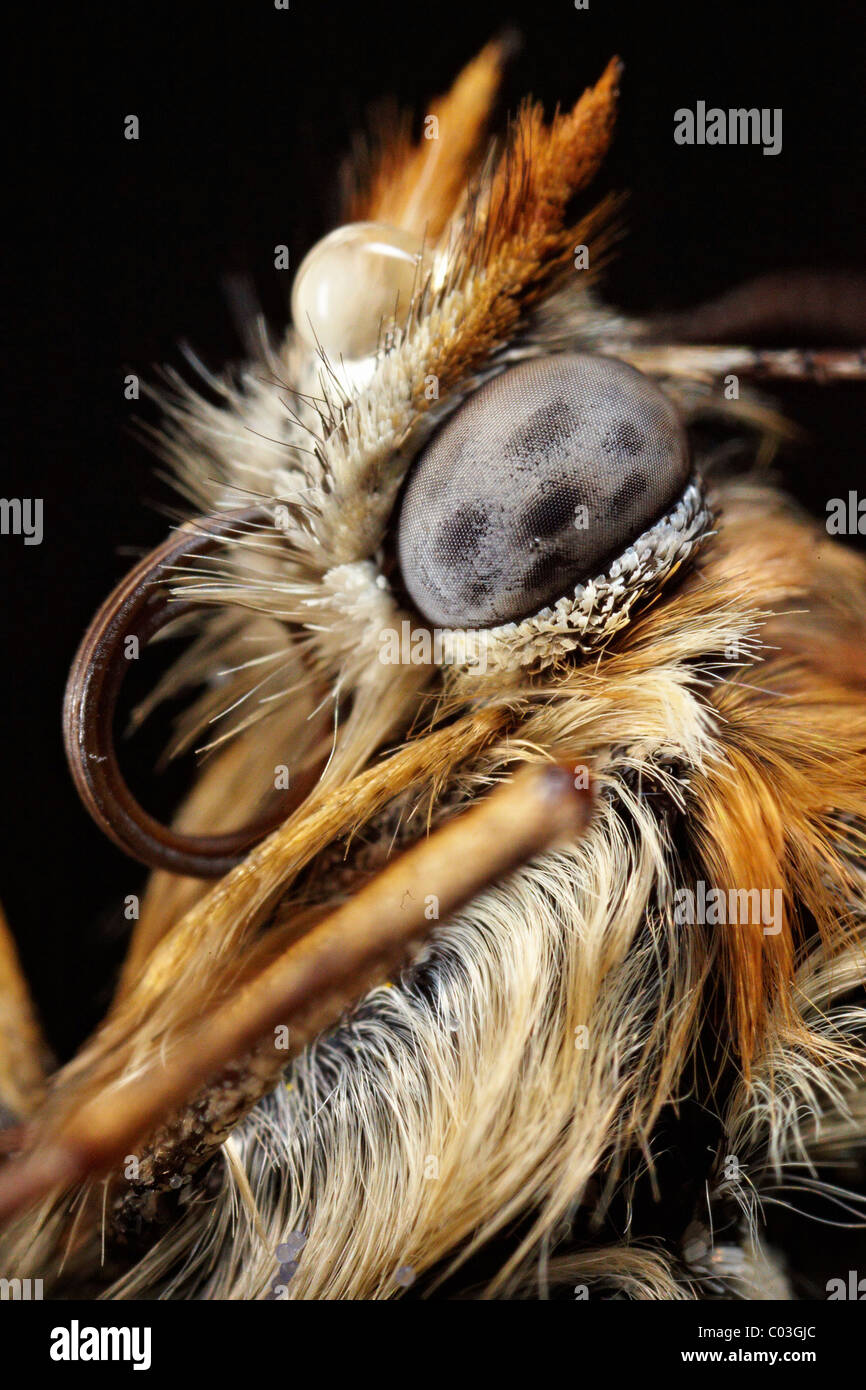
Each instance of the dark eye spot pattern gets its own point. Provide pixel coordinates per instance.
(543, 475)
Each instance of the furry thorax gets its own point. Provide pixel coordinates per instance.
(494, 1120)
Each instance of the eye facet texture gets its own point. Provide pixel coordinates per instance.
(543, 475)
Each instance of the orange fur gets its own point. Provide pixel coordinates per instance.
(515, 242)
(417, 187)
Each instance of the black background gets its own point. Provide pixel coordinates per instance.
(122, 249)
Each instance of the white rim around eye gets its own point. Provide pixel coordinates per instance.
(595, 610)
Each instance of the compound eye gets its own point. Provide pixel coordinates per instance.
(546, 473)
